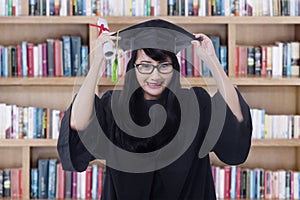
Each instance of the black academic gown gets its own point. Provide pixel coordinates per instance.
(187, 178)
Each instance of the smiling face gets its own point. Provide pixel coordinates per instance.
(155, 83)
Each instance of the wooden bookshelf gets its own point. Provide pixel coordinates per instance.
(276, 95)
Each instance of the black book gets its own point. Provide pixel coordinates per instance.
(257, 62)
(250, 60)
(6, 183)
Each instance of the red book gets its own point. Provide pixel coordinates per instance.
(227, 182)
(20, 183)
(100, 171)
(236, 71)
(19, 61)
(61, 182)
(74, 185)
(196, 62)
(263, 60)
(30, 57)
(88, 187)
(183, 62)
(58, 58)
(243, 57)
(238, 182)
(14, 178)
(44, 60)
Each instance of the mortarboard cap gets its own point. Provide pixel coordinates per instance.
(157, 34)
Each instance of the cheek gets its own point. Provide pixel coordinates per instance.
(140, 78)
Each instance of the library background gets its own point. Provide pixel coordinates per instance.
(44, 48)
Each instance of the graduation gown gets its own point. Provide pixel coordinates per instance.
(188, 177)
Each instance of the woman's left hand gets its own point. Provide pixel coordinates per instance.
(205, 47)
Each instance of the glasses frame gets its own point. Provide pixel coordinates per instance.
(153, 67)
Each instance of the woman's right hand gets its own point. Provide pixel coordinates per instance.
(96, 51)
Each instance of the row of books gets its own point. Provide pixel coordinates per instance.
(237, 183)
(18, 122)
(233, 7)
(94, 7)
(280, 59)
(11, 183)
(191, 64)
(54, 57)
(50, 181)
(10, 7)
(267, 126)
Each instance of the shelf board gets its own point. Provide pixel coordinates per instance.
(28, 142)
(47, 19)
(53, 142)
(130, 20)
(72, 81)
(275, 143)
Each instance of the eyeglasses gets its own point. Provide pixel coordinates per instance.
(147, 68)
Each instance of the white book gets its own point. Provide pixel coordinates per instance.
(2, 120)
(296, 185)
(25, 122)
(78, 185)
(31, 121)
(47, 7)
(297, 126)
(275, 184)
(226, 6)
(40, 60)
(281, 184)
(64, 7)
(280, 59)
(35, 61)
(221, 183)
(2, 8)
(275, 60)
(217, 184)
(15, 122)
(8, 124)
(82, 184)
(292, 7)
(88, 6)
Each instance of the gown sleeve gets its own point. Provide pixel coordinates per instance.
(73, 154)
(234, 142)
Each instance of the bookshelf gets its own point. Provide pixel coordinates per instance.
(276, 95)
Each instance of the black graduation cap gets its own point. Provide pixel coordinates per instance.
(157, 34)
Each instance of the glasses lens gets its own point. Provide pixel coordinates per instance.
(165, 68)
(145, 68)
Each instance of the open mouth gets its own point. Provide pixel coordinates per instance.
(154, 85)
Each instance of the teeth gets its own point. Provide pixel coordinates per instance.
(154, 84)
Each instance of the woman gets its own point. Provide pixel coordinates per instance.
(155, 74)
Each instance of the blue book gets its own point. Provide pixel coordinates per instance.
(289, 60)
(1, 50)
(223, 58)
(34, 183)
(94, 181)
(257, 174)
(84, 60)
(52, 178)
(233, 182)
(66, 42)
(252, 184)
(43, 178)
(75, 55)
(84, 8)
(24, 59)
(5, 62)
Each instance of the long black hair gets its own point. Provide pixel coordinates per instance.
(139, 107)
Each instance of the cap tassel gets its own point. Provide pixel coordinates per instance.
(114, 74)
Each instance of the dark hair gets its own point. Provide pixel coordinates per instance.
(137, 103)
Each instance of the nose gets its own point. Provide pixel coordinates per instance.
(155, 75)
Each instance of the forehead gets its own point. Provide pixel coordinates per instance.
(142, 56)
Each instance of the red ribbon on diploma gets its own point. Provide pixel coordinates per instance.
(101, 27)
